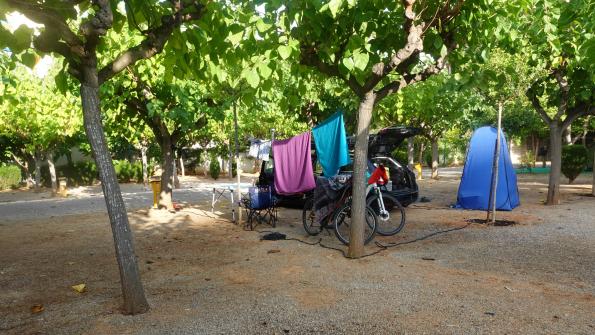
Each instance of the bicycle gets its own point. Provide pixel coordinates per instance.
(390, 212)
(338, 219)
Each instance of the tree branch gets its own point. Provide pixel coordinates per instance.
(406, 56)
(582, 109)
(310, 57)
(530, 93)
(155, 39)
(18, 161)
(98, 25)
(564, 89)
(52, 21)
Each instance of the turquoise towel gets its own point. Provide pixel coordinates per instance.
(331, 144)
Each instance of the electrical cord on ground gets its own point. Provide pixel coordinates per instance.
(391, 245)
(382, 247)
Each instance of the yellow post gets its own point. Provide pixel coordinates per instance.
(418, 169)
(156, 186)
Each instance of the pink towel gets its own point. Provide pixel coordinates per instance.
(293, 165)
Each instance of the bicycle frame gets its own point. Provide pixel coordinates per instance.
(383, 213)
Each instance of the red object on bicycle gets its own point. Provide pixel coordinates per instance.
(379, 176)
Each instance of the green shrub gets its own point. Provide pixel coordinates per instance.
(10, 177)
(79, 173)
(528, 160)
(128, 172)
(574, 160)
(214, 168)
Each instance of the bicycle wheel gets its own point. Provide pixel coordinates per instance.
(342, 223)
(310, 226)
(393, 220)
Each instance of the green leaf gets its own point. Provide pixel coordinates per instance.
(360, 60)
(262, 27)
(252, 77)
(284, 51)
(334, 6)
(348, 62)
(22, 39)
(29, 59)
(264, 70)
(235, 39)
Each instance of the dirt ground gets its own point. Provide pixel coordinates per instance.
(205, 275)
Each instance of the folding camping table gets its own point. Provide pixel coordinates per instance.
(221, 192)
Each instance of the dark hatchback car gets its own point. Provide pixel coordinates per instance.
(380, 147)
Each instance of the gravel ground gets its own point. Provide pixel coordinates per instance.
(204, 275)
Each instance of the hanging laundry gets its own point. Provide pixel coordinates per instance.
(293, 165)
(331, 144)
(260, 149)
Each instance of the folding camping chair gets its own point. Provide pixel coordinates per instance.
(260, 206)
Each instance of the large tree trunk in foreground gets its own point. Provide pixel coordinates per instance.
(434, 158)
(167, 161)
(358, 207)
(555, 150)
(52, 168)
(132, 288)
(37, 171)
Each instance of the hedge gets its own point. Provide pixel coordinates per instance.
(10, 177)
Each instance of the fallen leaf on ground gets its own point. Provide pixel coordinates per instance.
(37, 308)
(273, 251)
(80, 288)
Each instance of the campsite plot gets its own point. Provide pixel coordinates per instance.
(204, 275)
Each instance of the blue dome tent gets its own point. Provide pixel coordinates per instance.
(474, 190)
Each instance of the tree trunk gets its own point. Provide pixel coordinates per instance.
(238, 163)
(24, 165)
(28, 175)
(593, 172)
(358, 207)
(420, 159)
(555, 150)
(434, 158)
(230, 176)
(535, 149)
(585, 130)
(132, 288)
(143, 153)
(568, 135)
(52, 168)
(182, 169)
(37, 171)
(410, 153)
(167, 160)
(175, 171)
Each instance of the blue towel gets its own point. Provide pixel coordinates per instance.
(331, 144)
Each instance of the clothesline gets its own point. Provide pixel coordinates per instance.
(293, 172)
